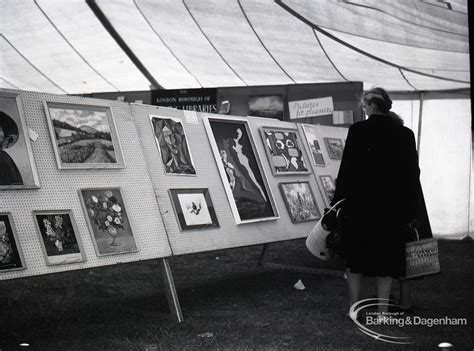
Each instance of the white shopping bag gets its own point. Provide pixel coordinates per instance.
(316, 240)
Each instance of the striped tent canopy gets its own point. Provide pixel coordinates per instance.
(85, 46)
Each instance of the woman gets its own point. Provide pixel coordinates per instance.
(378, 177)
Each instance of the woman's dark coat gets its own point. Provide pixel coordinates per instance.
(379, 176)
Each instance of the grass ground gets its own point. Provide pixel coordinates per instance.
(228, 303)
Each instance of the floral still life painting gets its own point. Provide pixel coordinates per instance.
(10, 254)
(108, 221)
(284, 151)
(300, 201)
(83, 136)
(171, 140)
(58, 234)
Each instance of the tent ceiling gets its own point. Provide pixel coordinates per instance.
(60, 46)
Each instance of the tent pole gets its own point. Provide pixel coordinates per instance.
(420, 118)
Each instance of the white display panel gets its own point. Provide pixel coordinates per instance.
(59, 191)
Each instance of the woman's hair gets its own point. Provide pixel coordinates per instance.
(379, 97)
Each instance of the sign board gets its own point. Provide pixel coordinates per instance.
(311, 107)
(199, 100)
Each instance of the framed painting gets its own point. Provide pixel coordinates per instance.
(11, 257)
(284, 151)
(334, 147)
(328, 186)
(59, 237)
(17, 166)
(83, 136)
(299, 201)
(269, 106)
(193, 208)
(172, 143)
(108, 221)
(313, 144)
(240, 168)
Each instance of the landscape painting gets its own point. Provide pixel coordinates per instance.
(17, 167)
(59, 237)
(335, 148)
(313, 143)
(300, 202)
(108, 221)
(173, 145)
(11, 257)
(83, 136)
(240, 169)
(270, 106)
(193, 208)
(328, 186)
(284, 151)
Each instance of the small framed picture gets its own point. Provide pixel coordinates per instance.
(193, 208)
(108, 221)
(328, 186)
(83, 136)
(313, 144)
(270, 106)
(300, 201)
(59, 237)
(11, 257)
(334, 147)
(284, 151)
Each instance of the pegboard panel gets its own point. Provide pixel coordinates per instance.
(229, 234)
(331, 166)
(59, 191)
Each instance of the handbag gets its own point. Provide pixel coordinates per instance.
(421, 256)
(334, 239)
(316, 240)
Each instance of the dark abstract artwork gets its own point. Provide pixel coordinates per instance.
(10, 255)
(236, 153)
(173, 145)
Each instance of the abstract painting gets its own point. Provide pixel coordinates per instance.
(270, 106)
(299, 201)
(11, 257)
(83, 136)
(194, 208)
(59, 237)
(284, 151)
(17, 167)
(313, 143)
(334, 147)
(108, 221)
(172, 143)
(328, 186)
(240, 168)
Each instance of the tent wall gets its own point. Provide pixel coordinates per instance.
(445, 156)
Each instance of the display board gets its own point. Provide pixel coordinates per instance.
(225, 230)
(95, 203)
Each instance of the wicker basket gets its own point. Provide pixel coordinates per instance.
(422, 257)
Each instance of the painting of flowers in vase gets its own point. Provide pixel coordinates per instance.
(58, 235)
(108, 221)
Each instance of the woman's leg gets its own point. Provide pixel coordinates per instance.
(405, 293)
(384, 285)
(353, 282)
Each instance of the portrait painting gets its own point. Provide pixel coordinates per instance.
(83, 136)
(284, 151)
(328, 186)
(334, 147)
(193, 208)
(300, 201)
(241, 170)
(59, 237)
(313, 144)
(173, 145)
(17, 166)
(270, 106)
(108, 221)
(11, 257)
